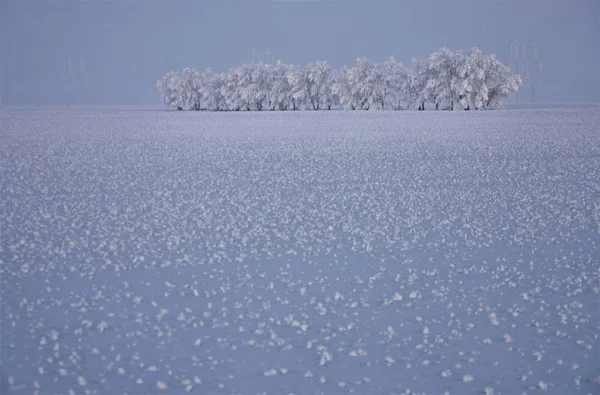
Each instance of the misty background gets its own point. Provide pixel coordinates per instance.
(113, 52)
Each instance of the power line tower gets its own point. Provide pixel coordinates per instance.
(254, 57)
(526, 60)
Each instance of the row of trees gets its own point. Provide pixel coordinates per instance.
(447, 80)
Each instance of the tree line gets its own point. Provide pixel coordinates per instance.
(447, 80)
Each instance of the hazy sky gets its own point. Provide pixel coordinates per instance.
(112, 52)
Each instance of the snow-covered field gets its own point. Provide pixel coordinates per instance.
(300, 252)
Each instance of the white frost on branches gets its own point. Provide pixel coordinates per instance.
(447, 80)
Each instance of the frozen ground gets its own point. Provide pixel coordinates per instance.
(336, 252)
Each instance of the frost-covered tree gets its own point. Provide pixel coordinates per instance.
(500, 83)
(297, 80)
(414, 82)
(357, 82)
(318, 85)
(340, 90)
(245, 87)
(260, 85)
(328, 98)
(249, 90)
(473, 88)
(393, 73)
(173, 92)
(366, 86)
(163, 85)
(475, 81)
(506, 85)
(192, 85)
(212, 91)
(232, 89)
(279, 95)
(376, 82)
(444, 78)
(484, 81)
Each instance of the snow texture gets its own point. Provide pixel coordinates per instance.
(300, 252)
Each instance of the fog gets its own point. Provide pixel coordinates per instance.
(112, 52)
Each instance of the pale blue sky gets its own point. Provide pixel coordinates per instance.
(118, 49)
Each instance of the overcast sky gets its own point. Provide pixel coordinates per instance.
(112, 52)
